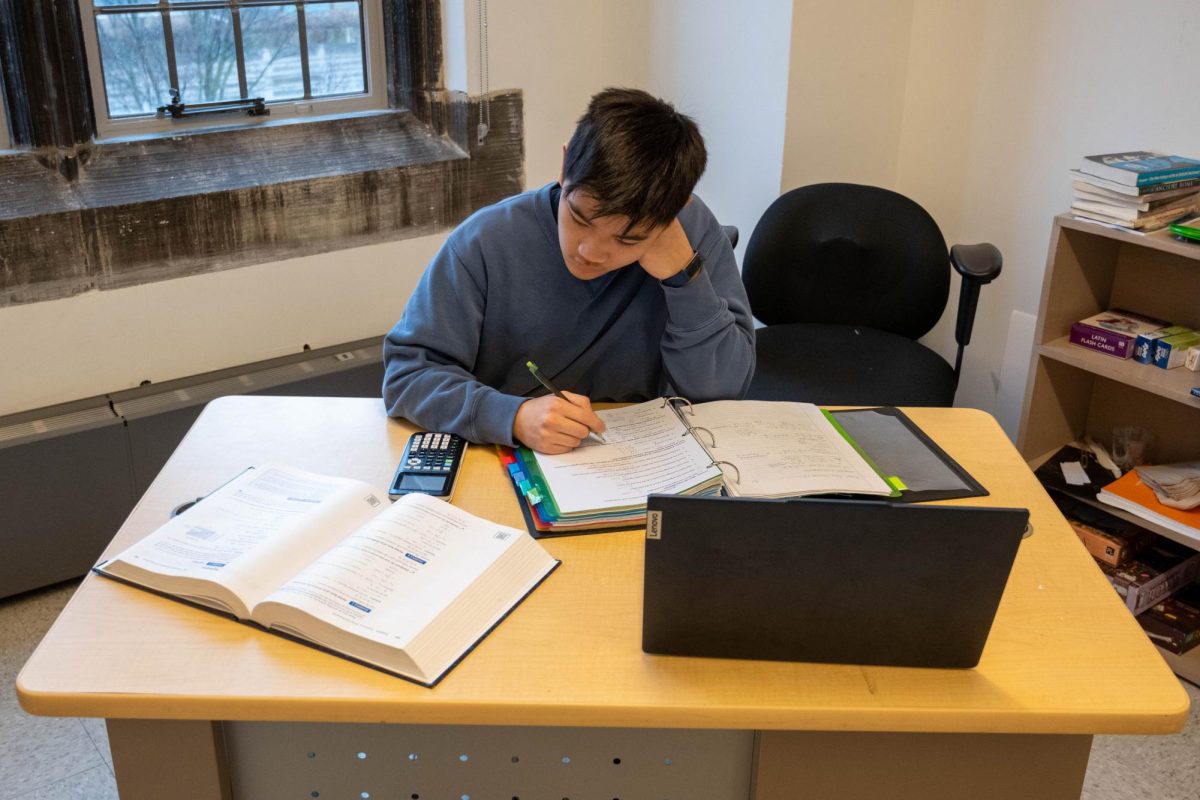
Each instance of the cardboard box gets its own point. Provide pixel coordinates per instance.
(1115, 548)
(1192, 361)
(1113, 332)
(1171, 351)
(1143, 346)
(1161, 569)
(1174, 623)
(1110, 539)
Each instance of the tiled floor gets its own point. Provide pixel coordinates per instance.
(45, 758)
(68, 759)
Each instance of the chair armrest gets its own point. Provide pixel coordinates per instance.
(977, 262)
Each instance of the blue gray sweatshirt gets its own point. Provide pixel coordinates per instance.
(498, 294)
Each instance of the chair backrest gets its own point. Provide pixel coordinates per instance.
(848, 254)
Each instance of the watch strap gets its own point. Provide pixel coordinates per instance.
(687, 274)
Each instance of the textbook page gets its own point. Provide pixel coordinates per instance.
(784, 450)
(388, 580)
(252, 534)
(648, 451)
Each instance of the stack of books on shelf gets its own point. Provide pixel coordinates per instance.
(1122, 333)
(1140, 190)
(1155, 577)
(1133, 494)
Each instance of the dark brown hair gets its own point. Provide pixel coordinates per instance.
(636, 156)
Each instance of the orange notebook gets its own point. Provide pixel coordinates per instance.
(1129, 493)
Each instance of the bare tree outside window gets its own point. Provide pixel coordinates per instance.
(221, 50)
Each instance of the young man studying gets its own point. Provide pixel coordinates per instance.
(616, 281)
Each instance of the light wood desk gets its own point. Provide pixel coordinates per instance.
(1064, 661)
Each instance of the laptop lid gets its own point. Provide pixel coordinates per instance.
(842, 581)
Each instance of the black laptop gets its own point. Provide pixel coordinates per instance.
(841, 581)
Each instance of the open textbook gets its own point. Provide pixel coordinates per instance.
(409, 588)
(748, 448)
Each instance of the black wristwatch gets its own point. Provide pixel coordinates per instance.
(687, 274)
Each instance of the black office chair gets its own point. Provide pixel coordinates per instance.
(846, 278)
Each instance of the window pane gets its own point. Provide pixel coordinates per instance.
(134, 57)
(335, 52)
(204, 55)
(271, 42)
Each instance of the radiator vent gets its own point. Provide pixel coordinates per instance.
(39, 425)
(259, 379)
(70, 474)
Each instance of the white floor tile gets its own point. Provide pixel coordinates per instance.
(27, 617)
(42, 750)
(93, 784)
(36, 752)
(98, 731)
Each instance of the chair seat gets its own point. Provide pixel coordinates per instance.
(848, 365)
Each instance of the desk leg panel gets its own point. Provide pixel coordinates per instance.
(286, 761)
(156, 759)
(919, 766)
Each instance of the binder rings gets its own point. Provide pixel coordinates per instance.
(738, 448)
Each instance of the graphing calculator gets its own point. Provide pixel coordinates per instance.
(429, 466)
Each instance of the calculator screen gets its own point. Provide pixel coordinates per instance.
(422, 483)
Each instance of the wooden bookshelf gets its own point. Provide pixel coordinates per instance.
(1073, 392)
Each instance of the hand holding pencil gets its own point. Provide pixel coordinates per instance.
(557, 422)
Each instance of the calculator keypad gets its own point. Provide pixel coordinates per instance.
(433, 452)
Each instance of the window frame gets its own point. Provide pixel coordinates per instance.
(109, 128)
(5, 133)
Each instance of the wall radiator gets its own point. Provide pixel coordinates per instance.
(70, 474)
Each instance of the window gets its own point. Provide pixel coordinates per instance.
(302, 57)
(172, 206)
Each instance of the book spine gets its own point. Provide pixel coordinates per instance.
(1150, 190)
(1116, 187)
(1102, 341)
(1155, 177)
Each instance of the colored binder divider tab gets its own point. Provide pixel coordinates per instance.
(538, 493)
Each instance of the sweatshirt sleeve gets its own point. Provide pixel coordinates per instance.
(708, 345)
(429, 354)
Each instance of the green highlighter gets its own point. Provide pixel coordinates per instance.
(1187, 230)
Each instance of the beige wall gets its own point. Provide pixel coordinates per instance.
(106, 341)
(846, 89)
(559, 54)
(975, 108)
(726, 65)
(1033, 87)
